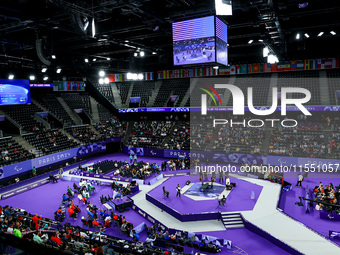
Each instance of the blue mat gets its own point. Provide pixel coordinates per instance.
(215, 192)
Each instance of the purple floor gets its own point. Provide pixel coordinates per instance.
(238, 200)
(45, 200)
(312, 220)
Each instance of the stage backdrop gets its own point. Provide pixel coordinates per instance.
(41, 162)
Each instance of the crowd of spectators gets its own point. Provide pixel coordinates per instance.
(112, 128)
(149, 133)
(12, 152)
(305, 140)
(239, 140)
(180, 137)
(326, 197)
(85, 134)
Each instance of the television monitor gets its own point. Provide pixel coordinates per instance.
(200, 41)
(14, 92)
(134, 100)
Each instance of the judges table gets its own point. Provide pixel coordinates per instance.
(122, 204)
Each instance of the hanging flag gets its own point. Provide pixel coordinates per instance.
(300, 65)
(256, 68)
(307, 65)
(280, 66)
(233, 70)
(267, 67)
(111, 77)
(159, 75)
(321, 64)
(261, 68)
(190, 73)
(224, 71)
(293, 65)
(286, 66)
(238, 69)
(328, 63)
(335, 63)
(243, 69)
(274, 67)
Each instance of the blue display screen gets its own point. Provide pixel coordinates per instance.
(221, 42)
(194, 41)
(14, 92)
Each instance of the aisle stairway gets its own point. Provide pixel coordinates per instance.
(232, 220)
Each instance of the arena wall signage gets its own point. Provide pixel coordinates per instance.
(25, 166)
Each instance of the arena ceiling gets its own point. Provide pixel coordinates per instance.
(31, 31)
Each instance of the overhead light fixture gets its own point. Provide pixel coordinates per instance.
(154, 53)
(306, 35)
(135, 54)
(215, 67)
(45, 78)
(140, 76)
(142, 54)
(11, 76)
(32, 77)
(86, 23)
(297, 36)
(260, 40)
(54, 57)
(333, 33)
(94, 60)
(250, 41)
(108, 58)
(134, 76)
(58, 70)
(44, 69)
(86, 60)
(106, 80)
(93, 28)
(126, 41)
(272, 59)
(265, 52)
(320, 34)
(101, 81)
(101, 73)
(129, 76)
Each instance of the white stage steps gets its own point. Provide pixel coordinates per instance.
(232, 220)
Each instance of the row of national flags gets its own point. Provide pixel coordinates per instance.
(311, 64)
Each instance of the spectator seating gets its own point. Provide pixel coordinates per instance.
(24, 115)
(51, 102)
(180, 137)
(78, 101)
(123, 88)
(333, 85)
(112, 127)
(12, 152)
(85, 134)
(50, 141)
(303, 79)
(172, 87)
(143, 89)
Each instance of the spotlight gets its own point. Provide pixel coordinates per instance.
(306, 35)
(101, 73)
(272, 59)
(101, 81)
(44, 69)
(250, 41)
(129, 76)
(54, 57)
(140, 76)
(86, 60)
(94, 60)
(260, 40)
(215, 67)
(11, 76)
(93, 28)
(303, 5)
(108, 58)
(142, 54)
(154, 53)
(320, 34)
(135, 54)
(297, 36)
(333, 33)
(265, 52)
(134, 76)
(126, 41)
(58, 70)
(32, 77)
(106, 80)
(45, 78)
